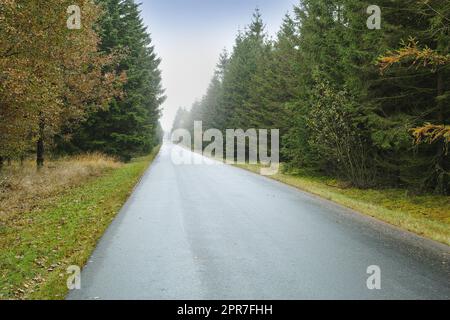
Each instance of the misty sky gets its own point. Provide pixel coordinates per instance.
(189, 36)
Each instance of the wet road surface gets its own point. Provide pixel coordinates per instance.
(219, 232)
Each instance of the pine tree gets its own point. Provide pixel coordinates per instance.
(241, 69)
(421, 96)
(181, 120)
(320, 83)
(129, 126)
(276, 91)
(212, 106)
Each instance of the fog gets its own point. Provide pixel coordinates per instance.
(189, 36)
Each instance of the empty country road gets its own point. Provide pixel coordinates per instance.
(219, 232)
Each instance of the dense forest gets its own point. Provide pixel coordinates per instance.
(368, 106)
(96, 88)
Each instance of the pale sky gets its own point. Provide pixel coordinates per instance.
(189, 36)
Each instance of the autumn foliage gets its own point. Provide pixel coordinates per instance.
(411, 52)
(50, 75)
(431, 134)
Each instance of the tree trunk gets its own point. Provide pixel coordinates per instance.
(1, 162)
(40, 145)
(440, 92)
(441, 183)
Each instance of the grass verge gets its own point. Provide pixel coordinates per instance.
(425, 215)
(23, 188)
(37, 246)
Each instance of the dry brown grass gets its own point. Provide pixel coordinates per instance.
(24, 188)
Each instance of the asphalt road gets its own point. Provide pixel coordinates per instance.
(219, 232)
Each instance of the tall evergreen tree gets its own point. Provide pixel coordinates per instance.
(129, 126)
(241, 69)
(213, 114)
(319, 82)
(419, 95)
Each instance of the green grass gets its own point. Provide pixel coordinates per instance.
(425, 215)
(37, 248)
